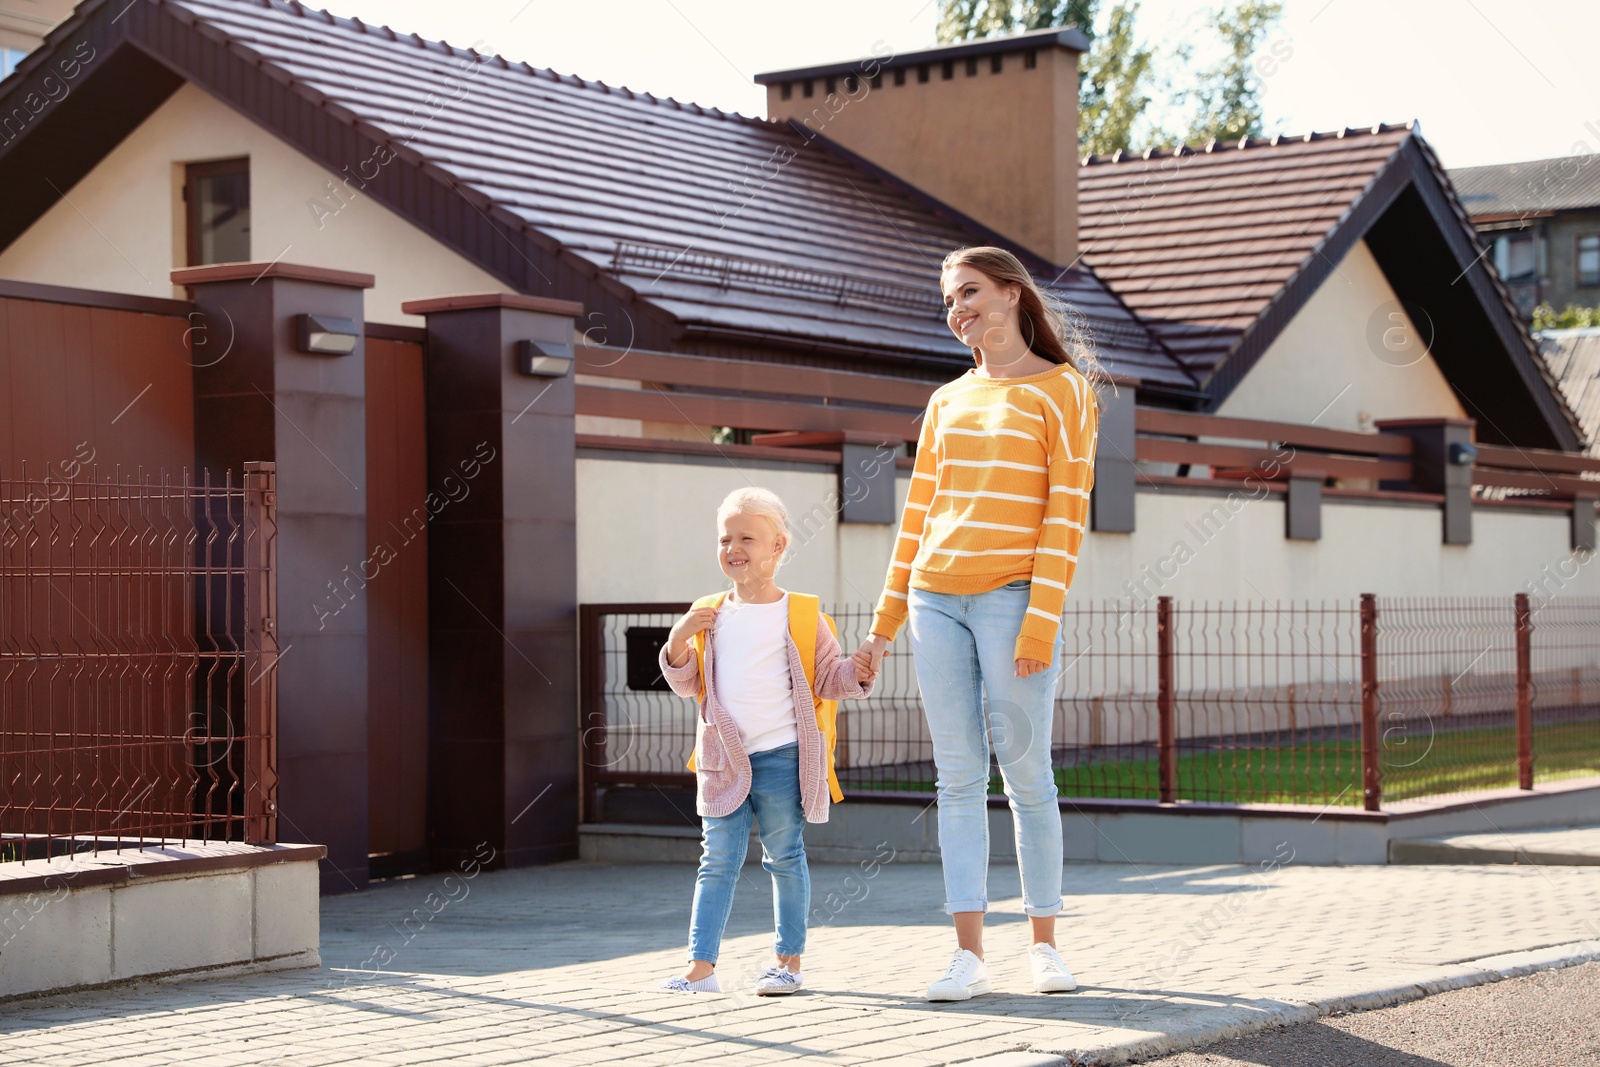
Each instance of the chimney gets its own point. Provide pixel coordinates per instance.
(989, 127)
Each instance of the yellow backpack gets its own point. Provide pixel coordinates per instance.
(803, 611)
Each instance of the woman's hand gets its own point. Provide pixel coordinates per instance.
(869, 656)
(692, 622)
(1026, 667)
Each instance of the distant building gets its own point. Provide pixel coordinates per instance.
(1542, 220)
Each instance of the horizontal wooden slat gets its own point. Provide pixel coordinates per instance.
(660, 446)
(1157, 420)
(1535, 459)
(60, 294)
(1266, 460)
(1554, 484)
(709, 372)
(740, 412)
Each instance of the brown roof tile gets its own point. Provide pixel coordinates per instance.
(683, 204)
(1199, 241)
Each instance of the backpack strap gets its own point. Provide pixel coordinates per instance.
(804, 611)
(712, 600)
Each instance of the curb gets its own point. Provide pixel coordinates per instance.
(1287, 1013)
(1436, 852)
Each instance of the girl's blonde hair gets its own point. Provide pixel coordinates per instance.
(1047, 328)
(763, 503)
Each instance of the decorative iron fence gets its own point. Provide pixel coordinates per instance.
(138, 696)
(1345, 703)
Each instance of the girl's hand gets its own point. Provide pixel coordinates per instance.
(869, 656)
(692, 622)
(1026, 667)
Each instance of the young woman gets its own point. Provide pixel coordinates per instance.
(987, 550)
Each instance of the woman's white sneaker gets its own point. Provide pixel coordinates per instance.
(1050, 975)
(965, 978)
(679, 984)
(779, 982)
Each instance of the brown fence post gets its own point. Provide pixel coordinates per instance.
(1524, 693)
(591, 709)
(1371, 776)
(1166, 752)
(261, 653)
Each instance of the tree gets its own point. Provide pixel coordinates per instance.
(1574, 317)
(1119, 78)
(1111, 85)
(1229, 94)
(961, 20)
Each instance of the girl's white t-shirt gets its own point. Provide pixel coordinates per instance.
(752, 675)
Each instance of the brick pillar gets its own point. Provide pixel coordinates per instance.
(258, 397)
(502, 586)
(1112, 503)
(1435, 470)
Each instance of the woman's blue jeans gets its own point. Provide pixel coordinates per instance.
(774, 803)
(964, 647)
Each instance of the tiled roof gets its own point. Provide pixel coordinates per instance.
(1199, 242)
(727, 223)
(1564, 183)
(1573, 357)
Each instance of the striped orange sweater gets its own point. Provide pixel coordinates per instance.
(1000, 492)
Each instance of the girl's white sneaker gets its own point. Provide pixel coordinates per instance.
(679, 984)
(1050, 975)
(965, 978)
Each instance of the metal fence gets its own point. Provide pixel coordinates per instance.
(138, 698)
(1345, 703)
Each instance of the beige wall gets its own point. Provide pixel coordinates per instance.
(1003, 148)
(121, 227)
(646, 532)
(1324, 362)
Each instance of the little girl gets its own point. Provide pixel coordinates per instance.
(760, 750)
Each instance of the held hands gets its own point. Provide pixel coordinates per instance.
(692, 622)
(869, 657)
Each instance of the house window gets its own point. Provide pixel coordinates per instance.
(218, 199)
(9, 58)
(1514, 256)
(1589, 259)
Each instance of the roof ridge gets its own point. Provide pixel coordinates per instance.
(1214, 146)
(299, 9)
(1515, 163)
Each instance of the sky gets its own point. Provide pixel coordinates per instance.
(1489, 81)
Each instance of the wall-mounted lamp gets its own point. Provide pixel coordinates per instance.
(1462, 454)
(544, 359)
(327, 335)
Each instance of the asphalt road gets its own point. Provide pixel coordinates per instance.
(1548, 1019)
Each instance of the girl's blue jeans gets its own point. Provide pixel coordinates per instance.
(774, 803)
(964, 648)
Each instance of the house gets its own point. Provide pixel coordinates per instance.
(1542, 220)
(484, 319)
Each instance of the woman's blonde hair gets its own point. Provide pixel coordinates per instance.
(763, 503)
(1048, 328)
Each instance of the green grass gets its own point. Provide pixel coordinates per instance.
(1330, 772)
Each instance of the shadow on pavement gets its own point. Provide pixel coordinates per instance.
(1315, 1043)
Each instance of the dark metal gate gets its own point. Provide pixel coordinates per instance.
(138, 654)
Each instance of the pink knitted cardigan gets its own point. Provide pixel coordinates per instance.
(722, 769)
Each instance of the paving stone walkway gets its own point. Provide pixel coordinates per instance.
(556, 966)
